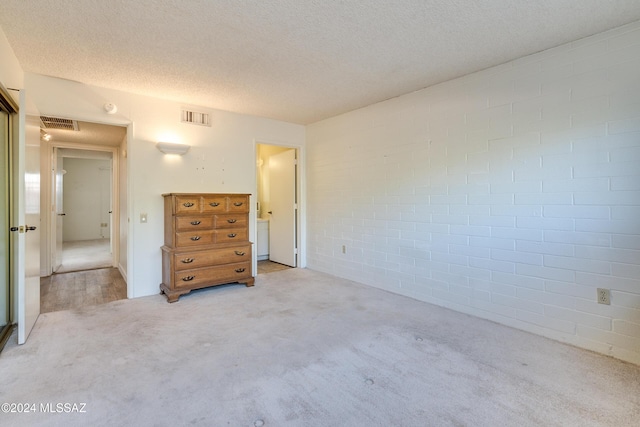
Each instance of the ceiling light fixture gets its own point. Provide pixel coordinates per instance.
(172, 148)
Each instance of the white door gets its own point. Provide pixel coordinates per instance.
(282, 222)
(58, 208)
(26, 270)
(106, 209)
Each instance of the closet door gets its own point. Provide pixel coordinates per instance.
(5, 294)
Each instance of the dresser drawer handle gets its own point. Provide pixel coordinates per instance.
(240, 253)
(232, 221)
(195, 238)
(187, 260)
(187, 204)
(232, 235)
(214, 204)
(237, 204)
(239, 270)
(195, 222)
(188, 278)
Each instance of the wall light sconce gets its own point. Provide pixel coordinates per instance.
(172, 148)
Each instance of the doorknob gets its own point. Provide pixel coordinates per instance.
(270, 212)
(61, 214)
(22, 229)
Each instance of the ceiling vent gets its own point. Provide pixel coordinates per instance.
(58, 123)
(195, 117)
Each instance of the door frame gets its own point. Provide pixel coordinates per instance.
(11, 107)
(48, 248)
(301, 238)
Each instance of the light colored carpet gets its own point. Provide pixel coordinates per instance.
(303, 348)
(85, 255)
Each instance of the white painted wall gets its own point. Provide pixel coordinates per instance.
(222, 158)
(11, 74)
(86, 198)
(510, 194)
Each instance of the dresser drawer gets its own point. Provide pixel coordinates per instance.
(231, 235)
(218, 274)
(230, 221)
(190, 223)
(187, 204)
(238, 204)
(211, 257)
(213, 203)
(195, 238)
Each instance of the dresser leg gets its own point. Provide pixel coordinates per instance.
(250, 282)
(171, 296)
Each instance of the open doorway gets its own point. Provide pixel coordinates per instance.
(83, 202)
(277, 208)
(86, 186)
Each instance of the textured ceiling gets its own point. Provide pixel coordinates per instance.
(294, 60)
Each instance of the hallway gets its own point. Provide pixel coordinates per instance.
(78, 289)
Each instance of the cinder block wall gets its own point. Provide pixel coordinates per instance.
(511, 194)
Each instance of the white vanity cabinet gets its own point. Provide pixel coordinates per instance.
(263, 239)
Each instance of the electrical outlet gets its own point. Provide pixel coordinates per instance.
(344, 249)
(603, 296)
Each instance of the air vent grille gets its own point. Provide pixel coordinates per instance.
(195, 117)
(58, 123)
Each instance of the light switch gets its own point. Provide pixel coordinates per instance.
(143, 218)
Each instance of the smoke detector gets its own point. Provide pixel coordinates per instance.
(110, 108)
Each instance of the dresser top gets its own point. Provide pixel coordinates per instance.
(205, 194)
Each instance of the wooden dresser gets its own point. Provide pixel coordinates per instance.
(206, 242)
